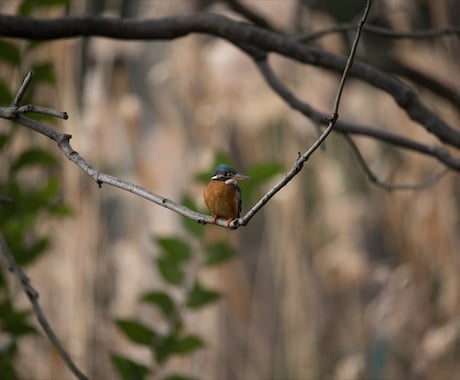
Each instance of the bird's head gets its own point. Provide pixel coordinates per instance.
(228, 175)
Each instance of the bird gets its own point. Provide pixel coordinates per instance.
(222, 194)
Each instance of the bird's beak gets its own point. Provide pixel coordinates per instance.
(240, 177)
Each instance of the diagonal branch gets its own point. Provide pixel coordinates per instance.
(295, 103)
(237, 33)
(391, 186)
(32, 294)
(301, 159)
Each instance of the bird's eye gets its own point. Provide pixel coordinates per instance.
(228, 174)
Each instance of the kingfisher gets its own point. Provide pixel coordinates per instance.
(222, 194)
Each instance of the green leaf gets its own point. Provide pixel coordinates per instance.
(265, 171)
(61, 210)
(174, 345)
(195, 228)
(176, 376)
(28, 6)
(4, 139)
(44, 73)
(14, 322)
(33, 156)
(136, 332)
(199, 296)
(9, 52)
(5, 94)
(170, 271)
(161, 300)
(128, 369)
(175, 248)
(218, 253)
(33, 250)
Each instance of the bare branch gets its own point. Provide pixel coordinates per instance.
(298, 165)
(383, 32)
(237, 33)
(32, 294)
(288, 96)
(22, 90)
(249, 14)
(390, 186)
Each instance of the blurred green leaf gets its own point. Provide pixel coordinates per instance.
(195, 228)
(61, 210)
(28, 253)
(4, 139)
(176, 376)
(5, 94)
(7, 355)
(136, 332)
(175, 249)
(14, 322)
(265, 171)
(170, 270)
(33, 156)
(173, 345)
(44, 72)
(28, 6)
(218, 253)
(162, 300)
(9, 52)
(199, 296)
(128, 369)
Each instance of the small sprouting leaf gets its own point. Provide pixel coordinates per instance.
(199, 296)
(218, 252)
(33, 156)
(170, 270)
(175, 248)
(162, 300)
(9, 52)
(136, 332)
(173, 345)
(128, 369)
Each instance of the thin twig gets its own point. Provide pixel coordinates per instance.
(32, 294)
(22, 90)
(301, 159)
(392, 186)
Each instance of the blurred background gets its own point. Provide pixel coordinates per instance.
(334, 279)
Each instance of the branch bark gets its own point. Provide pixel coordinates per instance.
(239, 34)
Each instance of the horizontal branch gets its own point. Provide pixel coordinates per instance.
(383, 32)
(238, 33)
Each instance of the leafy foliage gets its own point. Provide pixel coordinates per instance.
(28, 197)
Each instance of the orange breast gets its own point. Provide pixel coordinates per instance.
(221, 199)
